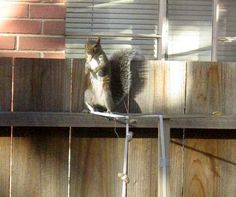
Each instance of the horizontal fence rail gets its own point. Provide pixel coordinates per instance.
(68, 119)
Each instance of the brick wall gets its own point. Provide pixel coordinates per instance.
(32, 28)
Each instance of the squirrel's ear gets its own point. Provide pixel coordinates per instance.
(98, 40)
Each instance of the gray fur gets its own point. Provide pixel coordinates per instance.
(121, 76)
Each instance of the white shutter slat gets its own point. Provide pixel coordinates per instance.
(197, 3)
(79, 15)
(129, 17)
(108, 21)
(148, 6)
(112, 11)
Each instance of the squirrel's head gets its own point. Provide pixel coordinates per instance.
(92, 46)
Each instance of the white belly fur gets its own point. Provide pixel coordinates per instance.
(97, 84)
(93, 64)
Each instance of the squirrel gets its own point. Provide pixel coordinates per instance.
(108, 81)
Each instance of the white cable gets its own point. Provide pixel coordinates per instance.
(128, 136)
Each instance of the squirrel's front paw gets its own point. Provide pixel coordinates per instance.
(85, 111)
(91, 109)
(109, 111)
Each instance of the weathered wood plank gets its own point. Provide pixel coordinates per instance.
(143, 167)
(210, 122)
(42, 85)
(199, 170)
(95, 163)
(209, 90)
(204, 88)
(209, 167)
(78, 85)
(5, 147)
(5, 133)
(229, 88)
(54, 119)
(40, 162)
(174, 87)
(143, 101)
(226, 185)
(176, 168)
(164, 89)
(5, 83)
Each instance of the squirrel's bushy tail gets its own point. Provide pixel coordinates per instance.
(121, 74)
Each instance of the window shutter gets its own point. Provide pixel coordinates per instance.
(226, 48)
(190, 29)
(121, 24)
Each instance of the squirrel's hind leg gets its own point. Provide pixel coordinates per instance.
(88, 99)
(108, 101)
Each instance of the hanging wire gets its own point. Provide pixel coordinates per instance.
(183, 157)
(115, 129)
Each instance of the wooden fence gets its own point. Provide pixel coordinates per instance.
(83, 161)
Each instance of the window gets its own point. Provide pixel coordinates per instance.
(201, 30)
(121, 23)
(190, 29)
(226, 45)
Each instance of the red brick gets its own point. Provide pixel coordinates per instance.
(53, 1)
(54, 55)
(20, 26)
(54, 27)
(20, 54)
(41, 43)
(14, 10)
(7, 42)
(30, 1)
(47, 11)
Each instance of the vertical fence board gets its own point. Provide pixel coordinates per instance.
(144, 100)
(42, 85)
(205, 94)
(210, 166)
(95, 163)
(5, 144)
(5, 133)
(230, 90)
(204, 88)
(174, 97)
(227, 166)
(164, 90)
(5, 83)
(78, 85)
(176, 167)
(201, 175)
(143, 168)
(40, 162)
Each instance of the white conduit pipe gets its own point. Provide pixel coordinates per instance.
(163, 160)
(124, 176)
(128, 137)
